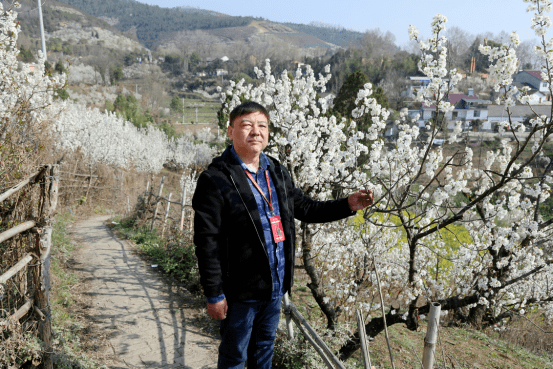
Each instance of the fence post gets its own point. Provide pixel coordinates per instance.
(54, 187)
(157, 202)
(431, 336)
(363, 340)
(43, 298)
(166, 215)
(183, 203)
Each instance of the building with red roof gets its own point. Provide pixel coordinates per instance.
(533, 79)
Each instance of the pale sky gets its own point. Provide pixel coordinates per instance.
(474, 16)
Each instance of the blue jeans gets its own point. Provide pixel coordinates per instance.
(248, 333)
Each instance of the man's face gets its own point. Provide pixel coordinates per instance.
(249, 134)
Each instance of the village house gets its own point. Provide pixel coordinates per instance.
(414, 85)
(539, 89)
(468, 109)
(498, 113)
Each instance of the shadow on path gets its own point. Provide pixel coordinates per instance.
(150, 321)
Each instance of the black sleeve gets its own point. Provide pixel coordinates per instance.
(207, 203)
(311, 211)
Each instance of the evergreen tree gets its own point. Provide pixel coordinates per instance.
(116, 74)
(60, 68)
(176, 104)
(344, 104)
(25, 55)
(194, 62)
(482, 63)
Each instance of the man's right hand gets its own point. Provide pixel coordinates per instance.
(218, 310)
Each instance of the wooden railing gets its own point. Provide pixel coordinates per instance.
(159, 198)
(38, 298)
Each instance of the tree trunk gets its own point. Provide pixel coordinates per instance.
(316, 289)
(476, 316)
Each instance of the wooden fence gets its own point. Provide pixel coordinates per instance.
(35, 263)
(158, 199)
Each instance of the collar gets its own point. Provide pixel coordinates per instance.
(263, 161)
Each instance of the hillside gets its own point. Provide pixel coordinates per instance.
(71, 31)
(156, 26)
(190, 9)
(341, 37)
(152, 23)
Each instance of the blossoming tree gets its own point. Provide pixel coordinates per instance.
(485, 258)
(108, 139)
(26, 98)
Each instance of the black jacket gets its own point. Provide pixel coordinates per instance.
(228, 235)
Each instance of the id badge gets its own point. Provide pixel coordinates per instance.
(276, 227)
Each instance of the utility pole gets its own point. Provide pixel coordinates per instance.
(196, 115)
(42, 30)
(183, 110)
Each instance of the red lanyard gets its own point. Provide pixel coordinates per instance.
(270, 201)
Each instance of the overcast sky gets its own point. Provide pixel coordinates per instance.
(474, 16)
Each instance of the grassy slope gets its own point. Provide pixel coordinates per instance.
(463, 347)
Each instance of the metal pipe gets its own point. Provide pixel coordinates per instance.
(363, 340)
(431, 336)
(289, 324)
(166, 214)
(42, 30)
(296, 315)
(157, 202)
(181, 226)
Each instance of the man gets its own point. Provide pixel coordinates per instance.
(245, 204)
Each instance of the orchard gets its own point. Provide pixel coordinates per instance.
(485, 258)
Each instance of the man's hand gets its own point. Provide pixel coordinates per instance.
(360, 200)
(218, 310)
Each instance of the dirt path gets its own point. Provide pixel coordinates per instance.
(145, 319)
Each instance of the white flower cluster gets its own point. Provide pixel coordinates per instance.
(26, 95)
(435, 67)
(504, 65)
(109, 139)
(314, 147)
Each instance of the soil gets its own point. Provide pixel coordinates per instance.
(134, 317)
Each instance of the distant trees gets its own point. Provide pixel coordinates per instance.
(153, 24)
(176, 104)
(129, 108)
(25, 55)
(194, 62)
(482, 63)
(344, 105)
(458, 44)
(173, 63)
(60, 68)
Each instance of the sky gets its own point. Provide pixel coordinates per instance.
(474, 16)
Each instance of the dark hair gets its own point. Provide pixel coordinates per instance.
(246, 108)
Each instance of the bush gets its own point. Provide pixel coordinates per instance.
(174, 254)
